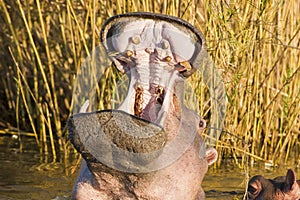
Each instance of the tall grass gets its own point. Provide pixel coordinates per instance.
(255, 45)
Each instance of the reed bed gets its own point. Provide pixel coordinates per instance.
(254, 44)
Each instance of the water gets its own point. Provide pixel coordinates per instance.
(28, 175)
(224, 183)
(229, 182)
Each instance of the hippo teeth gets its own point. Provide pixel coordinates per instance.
(152, 79)
(154, 54)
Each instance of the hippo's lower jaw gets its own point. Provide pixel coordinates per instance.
(173, 171)
(163, 176)
(116, 139)
(174, 182)
(151, 147)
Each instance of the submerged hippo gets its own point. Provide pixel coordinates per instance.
(151, 146)
(279, 188)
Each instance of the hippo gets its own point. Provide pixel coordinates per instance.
(151, 146)
(279, 188)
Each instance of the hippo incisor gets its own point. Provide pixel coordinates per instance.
(151, 146)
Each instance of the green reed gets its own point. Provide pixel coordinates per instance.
(254, 44)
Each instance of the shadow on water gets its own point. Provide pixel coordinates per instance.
(28, 175)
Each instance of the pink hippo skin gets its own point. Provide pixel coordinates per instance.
(181, 180)
(279, 188)
(158, 53)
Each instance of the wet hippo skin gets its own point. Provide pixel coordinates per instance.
(279, 188)
(151, 146)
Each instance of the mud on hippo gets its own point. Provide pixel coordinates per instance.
(150, 147)
(279, 188)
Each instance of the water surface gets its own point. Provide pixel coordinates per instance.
(28, 175)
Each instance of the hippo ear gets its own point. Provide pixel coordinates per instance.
(211, 155)
(290, 181)
(254, 187)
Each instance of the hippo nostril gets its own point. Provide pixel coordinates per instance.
(202, 124)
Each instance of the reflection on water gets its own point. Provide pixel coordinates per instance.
(27, 176)
(224, 183)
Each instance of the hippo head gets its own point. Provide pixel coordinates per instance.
(279, 188)
(152, 131)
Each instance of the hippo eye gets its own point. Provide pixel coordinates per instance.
(202, 124)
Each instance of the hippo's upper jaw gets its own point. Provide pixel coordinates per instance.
(151, 146)
(280, 188)
(157, 53)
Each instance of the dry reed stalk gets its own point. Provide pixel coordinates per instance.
(254, 44)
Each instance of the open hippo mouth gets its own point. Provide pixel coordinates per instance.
(152, 127)
(157, 51)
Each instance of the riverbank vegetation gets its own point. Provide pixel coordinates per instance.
(254, 44)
